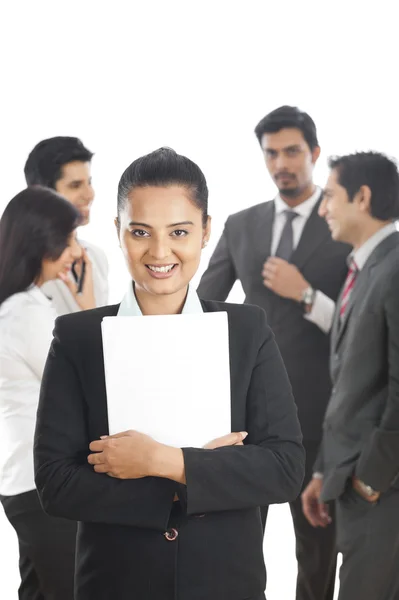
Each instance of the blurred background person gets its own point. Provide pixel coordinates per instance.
(283, 255)
(64, 164)
(358, 463)
(37, 245)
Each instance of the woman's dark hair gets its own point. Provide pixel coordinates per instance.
(163, 168)
(45, 162)
(288, 117)
(376, 171)
(36, 224)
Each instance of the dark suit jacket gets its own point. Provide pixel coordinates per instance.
(240, 254)
(121, 549)
(361, 429)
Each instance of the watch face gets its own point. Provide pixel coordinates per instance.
(308, 296)
(368, 490)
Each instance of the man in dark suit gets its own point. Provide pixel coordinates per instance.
(358, 463)
(282, 253)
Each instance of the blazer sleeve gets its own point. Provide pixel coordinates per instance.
(378, 465)
(220, 276)
(68, 486)
(269, 468)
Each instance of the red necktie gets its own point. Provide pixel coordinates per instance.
(349, 284)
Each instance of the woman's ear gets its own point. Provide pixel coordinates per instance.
(118, 228)
(207, 232)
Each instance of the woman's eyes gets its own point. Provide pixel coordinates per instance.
(141, 233)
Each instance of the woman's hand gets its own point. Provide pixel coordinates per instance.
(133, 455)
(127, 455)
(231, 439)
(85, 299)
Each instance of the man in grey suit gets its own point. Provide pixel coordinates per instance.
(64, 164)
(358, 463)
(282, 253)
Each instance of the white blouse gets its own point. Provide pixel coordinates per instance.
(26, 326)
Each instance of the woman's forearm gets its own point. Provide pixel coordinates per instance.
(168, 462)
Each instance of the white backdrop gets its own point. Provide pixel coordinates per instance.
(128, 77)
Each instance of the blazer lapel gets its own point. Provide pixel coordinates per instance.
(314, 233)
(358, 291)
(262, 237)
(361, 286)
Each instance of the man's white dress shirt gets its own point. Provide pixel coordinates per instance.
(323, 306)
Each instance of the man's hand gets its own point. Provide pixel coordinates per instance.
(231, 439)
(127, 455)
(358, 487)
(315, 511)
(85, 299)
(284, 279)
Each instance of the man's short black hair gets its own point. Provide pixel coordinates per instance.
(45, 162)
(287, 117)
(376, 171)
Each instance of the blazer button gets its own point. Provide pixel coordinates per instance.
(171, 535)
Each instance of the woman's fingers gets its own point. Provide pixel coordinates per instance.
(231, 439)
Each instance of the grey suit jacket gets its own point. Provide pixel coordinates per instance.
(240, 254)
(361, 427)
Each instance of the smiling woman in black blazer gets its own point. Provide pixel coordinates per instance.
(156, 522)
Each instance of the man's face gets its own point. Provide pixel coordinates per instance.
(75, 185)
(289, 160)
(343, 217)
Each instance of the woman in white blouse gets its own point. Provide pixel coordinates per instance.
(37, 244)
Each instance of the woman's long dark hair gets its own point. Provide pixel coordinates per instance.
(36, 224)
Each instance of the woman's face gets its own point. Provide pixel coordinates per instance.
(161, 234)
(63, 264)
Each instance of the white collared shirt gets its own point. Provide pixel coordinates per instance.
(362, 254)
(323, 307)
(323, 317)
(63, 300)
(303, 211)
(129, 306)
(26, 326)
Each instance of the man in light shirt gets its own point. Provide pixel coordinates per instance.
(64, 164)
(282, 253)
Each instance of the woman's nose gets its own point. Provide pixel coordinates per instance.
(159, 249)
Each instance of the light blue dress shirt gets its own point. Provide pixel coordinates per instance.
(129, 306)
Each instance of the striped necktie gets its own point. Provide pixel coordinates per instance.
(349, 285)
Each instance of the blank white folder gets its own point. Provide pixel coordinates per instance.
(168, 376)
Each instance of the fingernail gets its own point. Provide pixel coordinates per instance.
(103, 437)
(244, 434)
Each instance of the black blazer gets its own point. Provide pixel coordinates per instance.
(361, 429)
(122, 552)
(240, 254)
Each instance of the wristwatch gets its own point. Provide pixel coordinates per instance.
(307, 299)
(366, 489)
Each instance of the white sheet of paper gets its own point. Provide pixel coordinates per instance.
(168, 376)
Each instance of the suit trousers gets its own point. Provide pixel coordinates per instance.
(368, 537)
(315, 547)
(46, 549)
